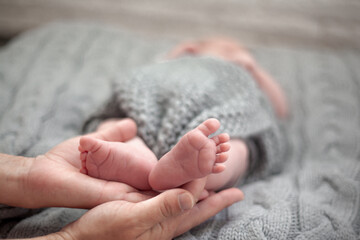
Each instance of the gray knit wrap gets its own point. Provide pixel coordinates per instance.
(54, 78)
(170, 98)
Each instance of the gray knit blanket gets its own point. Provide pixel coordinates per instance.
(53, 79)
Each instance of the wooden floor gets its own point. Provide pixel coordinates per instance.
(295, 23)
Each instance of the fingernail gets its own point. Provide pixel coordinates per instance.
(185, 201)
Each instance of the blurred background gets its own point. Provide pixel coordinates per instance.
(317, 24)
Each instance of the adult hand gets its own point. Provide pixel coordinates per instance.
(163, 217)
(54, 178)
(230, 50)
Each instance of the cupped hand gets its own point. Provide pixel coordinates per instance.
(163, 217)
(54, 178)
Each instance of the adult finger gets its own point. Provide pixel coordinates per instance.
(119, 131)
(207, 208)
(168, 204)
(196, 188)
(92, 192)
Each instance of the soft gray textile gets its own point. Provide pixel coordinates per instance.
(54, 78)
(170, 98)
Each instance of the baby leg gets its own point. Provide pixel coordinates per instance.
(194, 156)
(129, 162)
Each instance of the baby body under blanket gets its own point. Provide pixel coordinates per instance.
(54, 78)
(170, 98)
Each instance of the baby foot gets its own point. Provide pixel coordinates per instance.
(129, 162)
(116, 130)
(194, 156)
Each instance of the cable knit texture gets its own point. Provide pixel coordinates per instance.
(54, 78)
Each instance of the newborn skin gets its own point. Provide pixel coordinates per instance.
(194, 156)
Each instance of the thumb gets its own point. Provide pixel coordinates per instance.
(170, 203)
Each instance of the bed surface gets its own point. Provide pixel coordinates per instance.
(45, 71)
(310, 47)
(313, 24)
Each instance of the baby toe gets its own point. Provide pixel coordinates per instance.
(209, 126)
(221, 138)
(218, 168)
(224, 147)
(222, 157)
(89, 144)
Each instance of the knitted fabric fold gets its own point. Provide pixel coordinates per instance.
(171, 98)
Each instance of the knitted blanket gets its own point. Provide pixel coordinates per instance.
(54, 78)
(170, 98)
